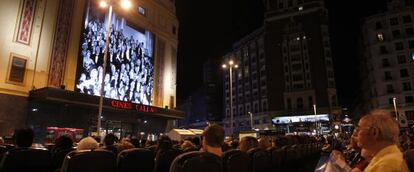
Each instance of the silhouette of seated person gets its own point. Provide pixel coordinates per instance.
(63, 145)
(213, 139)
(165, 154)
(188, 146)
(109, 143)
(87, 143)
(247, 143)
(23, 138)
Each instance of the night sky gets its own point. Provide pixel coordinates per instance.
(209, 28)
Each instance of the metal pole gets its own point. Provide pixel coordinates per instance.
(251, 120)
(231, 99)
(394, 101)
(98, 126)
(316, 120)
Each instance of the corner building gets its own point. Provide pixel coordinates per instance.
(386, 61)
(285, 67)
(42, 65)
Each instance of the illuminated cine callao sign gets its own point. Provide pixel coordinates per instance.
(130, 106)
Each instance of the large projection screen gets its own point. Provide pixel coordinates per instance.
(129, 75)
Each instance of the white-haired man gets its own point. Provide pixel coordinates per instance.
(377, 132)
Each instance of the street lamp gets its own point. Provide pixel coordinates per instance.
(125, 4)
(251, 119)
(394, 101)
(316, 119)
(231, 65)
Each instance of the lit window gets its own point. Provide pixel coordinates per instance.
(142, 11)
(300, 8)
(380, 37)
(298, 38)
(412, 57)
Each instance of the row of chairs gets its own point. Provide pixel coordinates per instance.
(255, 160)
(139, 159)
(40, 160)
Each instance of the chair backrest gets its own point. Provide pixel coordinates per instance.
(164, 159)
(276, 155)
(197, 161)
(137, 159)
(26, 159)
(260, 160)
(58, 157)
(89, 160)
(3, 149)
(409, 159)
(236, 161)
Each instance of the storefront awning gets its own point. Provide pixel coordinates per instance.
(57, 95)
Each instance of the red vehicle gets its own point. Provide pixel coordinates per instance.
(55, 132)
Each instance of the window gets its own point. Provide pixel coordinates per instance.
(394, 21)
(406, 86)
(383, 50)
(390, 88)
(17, 69)
(409, 31)
(409, 99)
(297, 77)
(299, 103)
(399, 46)
(385, 63)
(380, 37)
(388, 75)
(333, 99)
(378, 25)
(406, 19)
(297, 86)
(142, 11)
(310, 101)
(404, 73)
(390, 101)
(396, 33)
(411, 44)
(401, 59)
(289, 104)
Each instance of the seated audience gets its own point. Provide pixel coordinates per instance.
(188, 146)
(62, 143)
(24, 137)
(87, 143)
(124, 144)
(265, 143)
(378, 133)
(213, 139)
(109, 141)
(247, 143)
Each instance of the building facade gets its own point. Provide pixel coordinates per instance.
(40, 47)
(285, 67)
(202, 107)
(386, 57)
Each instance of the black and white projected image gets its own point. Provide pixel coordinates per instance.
(129, 74)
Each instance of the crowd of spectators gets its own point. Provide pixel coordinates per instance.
(375, 145)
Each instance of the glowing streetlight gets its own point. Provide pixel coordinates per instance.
(104, 4)
(231, 65)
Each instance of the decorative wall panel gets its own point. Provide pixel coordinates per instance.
(60, 43)
(24, 31)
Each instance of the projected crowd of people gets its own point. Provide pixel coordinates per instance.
(129, 75)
